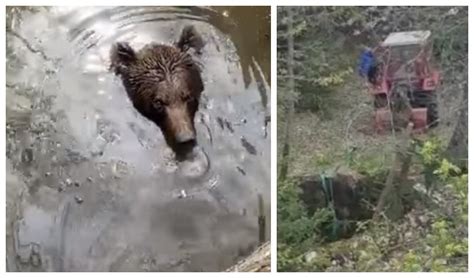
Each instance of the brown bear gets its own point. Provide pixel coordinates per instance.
(164, 84)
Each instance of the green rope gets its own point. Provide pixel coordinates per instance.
(326, 190)
(326, 183)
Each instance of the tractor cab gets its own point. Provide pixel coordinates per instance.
(406, 80)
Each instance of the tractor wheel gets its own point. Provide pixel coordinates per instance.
(433, 116)
(428, 100)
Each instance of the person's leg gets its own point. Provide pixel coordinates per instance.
(372, 75)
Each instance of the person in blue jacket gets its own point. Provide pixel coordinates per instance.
(367, 65)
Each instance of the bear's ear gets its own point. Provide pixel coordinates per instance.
(122, 54)
(190, 38)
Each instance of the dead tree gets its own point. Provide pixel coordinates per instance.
(290, 105)
(457, 147)
(402, 160)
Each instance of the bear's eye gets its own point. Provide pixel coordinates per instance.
(158, 105)
(188, 99)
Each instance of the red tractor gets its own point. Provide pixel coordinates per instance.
(405, 81)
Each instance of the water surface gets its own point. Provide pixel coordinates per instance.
(91, 185)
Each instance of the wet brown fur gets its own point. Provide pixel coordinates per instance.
(164, 83)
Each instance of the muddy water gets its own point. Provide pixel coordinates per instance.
(91, 185)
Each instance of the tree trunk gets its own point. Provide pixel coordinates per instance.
(290, 107)
(402, 160)
(457, 147)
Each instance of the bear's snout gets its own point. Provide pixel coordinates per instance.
(185, 137)
(180, 127)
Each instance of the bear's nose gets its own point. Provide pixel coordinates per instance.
(185, 138)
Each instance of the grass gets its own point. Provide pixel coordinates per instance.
(344, 131)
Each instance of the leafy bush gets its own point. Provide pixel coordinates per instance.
(297, 230)
(433, 239)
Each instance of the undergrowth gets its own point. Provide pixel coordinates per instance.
(432, 236)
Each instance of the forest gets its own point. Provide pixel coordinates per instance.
(349, 198)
